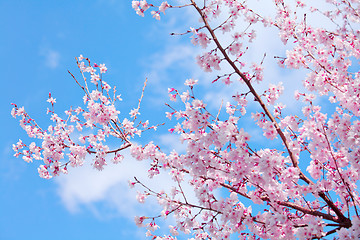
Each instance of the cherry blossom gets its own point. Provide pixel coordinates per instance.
(301, 182)
(163, 7)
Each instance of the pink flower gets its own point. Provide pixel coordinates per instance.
(139, 221)
(131, 184)
(51, 100)
(163, 7)
(144, 5)
(134, 112)
(190, 82)
(269, 130)
(43, 172)
(103, 69)
(141, 197)
(95, 78)
(173, 230)
(156, 15)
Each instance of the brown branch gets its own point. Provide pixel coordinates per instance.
(302, 176)
(140, 99)
(112, 151)
(252, 90)
(82, 87)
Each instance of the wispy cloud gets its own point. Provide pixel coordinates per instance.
(51, 57)
(172, 142)
(86, 187)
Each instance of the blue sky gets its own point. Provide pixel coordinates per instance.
(39, 40)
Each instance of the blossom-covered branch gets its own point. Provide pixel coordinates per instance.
(303, 187)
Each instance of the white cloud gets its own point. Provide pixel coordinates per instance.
(85, 186)
(52, 57)
(173, 58)
(172, 142)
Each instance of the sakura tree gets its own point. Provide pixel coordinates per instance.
(304, 188)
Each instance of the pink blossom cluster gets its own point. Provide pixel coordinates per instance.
(141, 6)
(99, 116)
(276, 177)
(209, 61)
(200, 38)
